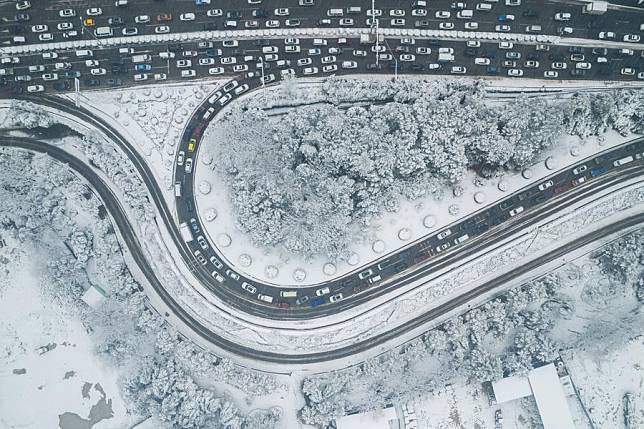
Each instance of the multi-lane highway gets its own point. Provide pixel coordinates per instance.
(130, 240)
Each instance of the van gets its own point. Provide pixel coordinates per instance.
(126, 51)
(334, 12)
(141, 58)
(265, 298)
(84, 53)
(288, 294)
(177, 189)
(319, 42)
(533, 29)
(354, 10)
(484, 6)
(103, 32)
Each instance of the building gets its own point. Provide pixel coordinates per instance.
(93, 296)
(543, 383)
(386, 418)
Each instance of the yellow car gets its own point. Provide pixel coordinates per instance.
(89, 22)
(192, 144)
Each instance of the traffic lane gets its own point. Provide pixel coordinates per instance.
(311, 16)
(334, 288)
(489, 50)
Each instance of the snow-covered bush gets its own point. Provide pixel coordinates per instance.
(312, 179)
(24, 114)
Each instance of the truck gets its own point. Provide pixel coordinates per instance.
(445, 57)
(186, 234)
(623, 161)
(595, 8)
(177, 189)
(142, 58)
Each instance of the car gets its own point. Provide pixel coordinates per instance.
(335, 298)
(516, 211)
(443, 234)
(458, 70)
(215, 70)
(248, 287)
(45, 37)
(142, 67)
(506, 45)
(35, 88)
(545, 185)
(282, 11)
(627, 71)
(181, 155)
(36, 68)
(121, 3)
(89, 22)
(65, 26)
(513, 55)
(577, 57)
(49, 55)
(442, 14)
(130, 31)
(551, 74)
(22, 17)
(419, 12)
(142, 19)
(66, 13)
(421, 23)
(23, 78)
(583, 66)
(206, 61)
(304, 62)
(559, 66)
(241, 89)
(482, 61)
(187, 16)
(531, 64)
(190, 53)
(606, 35)
(39, 28)
(188, 73)
(471, 25)
(240, 68)
(322, 291)
(505, 18)
(346, 22)
(310, 70)
(98, 72)
(640, 75)
(23, 5)
(184, 63)
(446, 25)
(407, 57)
(94, 11)
(565, 30)
(509, 64)
(192, 145)
(161, 29)
(50, 76)
(502, 28)
(115, 21)
(397, 22)
(562, 16)
(225, 99)
(633, 38)
(140, 77)
(200, 239)
(515, 72)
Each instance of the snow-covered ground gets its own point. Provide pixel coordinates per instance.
(414, 219)
(50, 376)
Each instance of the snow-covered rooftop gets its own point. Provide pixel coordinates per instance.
(511, 388)
(378, 419)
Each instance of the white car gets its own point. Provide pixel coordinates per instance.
(67, 13)
(322, 291)
(515, 72)
(563, 16)
(606, 35)
(64, 26)
(141, 76)
(310, 70)
(446, 25)
(98, 72)
(627, 71)
(458, 70)
(206, 61)
(329, 68)
(50, 76)
(482, 61)
(160, 76)
(633, 38)
(407, 57)
(579, 170)
(502, 28)
(187, 17)
(248, 287)
(188, 73)
(444, 234)
(225, 99)
(215, 70)
(419, 12)
(35, 88)
(583, 66)
(49, 55)
(397, 13)
(335, 298)
(282, 11)
(346, 22)
(471, 25)
(329, 59)
(237, 68)
(349, 64)
(39, 28)
(442, 14)
(546, 185)
(506, 45)
(516, 211)
(241, 89)
(45, 37)
(161, 29)
(142, 19)
(304, 62)
(228, 60)
(184, 63)
(94, 11)
(422, 50)
(214, 12)
(36, 69)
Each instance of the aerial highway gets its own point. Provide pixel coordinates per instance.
(483, 229)
(126, 230)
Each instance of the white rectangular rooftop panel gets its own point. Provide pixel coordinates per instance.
(378, 419)
(550, 398)
(511, 388)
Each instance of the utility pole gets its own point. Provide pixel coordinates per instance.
(77, 91)
(261, 64)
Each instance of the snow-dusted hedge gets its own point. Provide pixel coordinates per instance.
(309, 179)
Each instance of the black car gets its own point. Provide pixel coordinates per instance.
(493, 70)
(530, 13)
(576, 50)
(209, 26)
(421, 23)
(62, 86)
(115, 21)
(175, 47)
(600, 51)
(233, 14)
(92, 82)
(373, 66)
(262, 42)
(470, 52)
(16, 29)
(578, 73)
(114, 82)
(22, 17)
(260, 13)
(417, 67)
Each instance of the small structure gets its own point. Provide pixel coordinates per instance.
(378, 419)
(544, 384)
(93, 296)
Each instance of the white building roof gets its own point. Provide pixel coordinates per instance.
(93, 296)
(378, 419)
(511, 388)
(550, 398)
